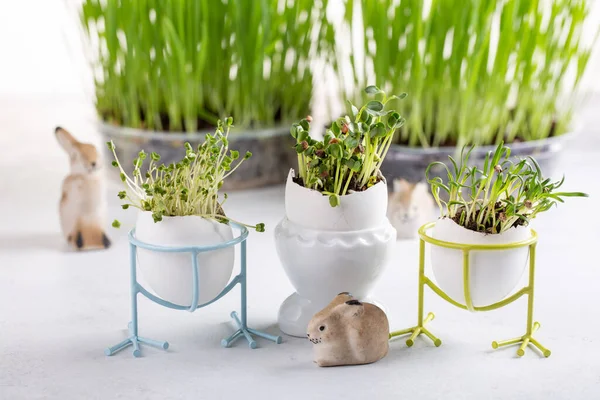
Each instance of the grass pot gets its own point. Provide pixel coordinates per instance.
(327, 250)
(410, 163)
(493, 274)
(270, 148)
(170, 275)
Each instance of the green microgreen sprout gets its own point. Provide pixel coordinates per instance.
(502, 195)
(188, 187)
(349, 157)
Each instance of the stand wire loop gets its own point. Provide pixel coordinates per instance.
(525, 340)
(135, 288)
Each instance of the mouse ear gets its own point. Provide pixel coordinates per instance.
(423, 189)
(400, 185)
(355, 308)
(422, 185)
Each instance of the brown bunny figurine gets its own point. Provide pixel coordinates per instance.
(349, 332)
(82, 206)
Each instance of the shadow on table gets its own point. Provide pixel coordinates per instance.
(34, 241)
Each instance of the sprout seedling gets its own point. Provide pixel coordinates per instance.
(349, 156)
(502, 195)
(188, 187)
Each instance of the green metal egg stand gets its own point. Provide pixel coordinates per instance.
(466, 249)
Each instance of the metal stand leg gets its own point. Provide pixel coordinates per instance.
(133, 339)
(243, 329)
(531, 326)
(420, 328)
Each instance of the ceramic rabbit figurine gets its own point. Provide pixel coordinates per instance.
(349, 332)
(409, 207)
(82, 205)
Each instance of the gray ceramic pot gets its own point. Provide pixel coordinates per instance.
(272, 153)
(410, 163)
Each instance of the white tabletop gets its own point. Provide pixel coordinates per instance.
(60, 309)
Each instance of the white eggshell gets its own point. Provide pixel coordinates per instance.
(169, 275)
(360, 210)
(493, 274)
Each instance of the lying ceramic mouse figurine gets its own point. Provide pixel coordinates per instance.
(349, 332)
(410, 206)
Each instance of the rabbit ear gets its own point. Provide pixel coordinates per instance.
(355, 308)
(66, 140)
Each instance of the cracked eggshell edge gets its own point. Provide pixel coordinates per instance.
(309, 208)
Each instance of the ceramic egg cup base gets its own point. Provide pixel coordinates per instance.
(296, 312)
(532, 327)
(294, 315)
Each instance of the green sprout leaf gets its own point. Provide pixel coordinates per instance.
(378, 130)
(302, 136)
(393, 119)
(305, 125)
(295, 130)
(336, 129)
(157, 216)
(335, 150)
(374, 105)
(353, 108)
(372, 89)
(116, 224)
(372, 180)
(351, 142)
(357, 166)
(334, 200)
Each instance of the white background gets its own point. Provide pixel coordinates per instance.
(59, 310)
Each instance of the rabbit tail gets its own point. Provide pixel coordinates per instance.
(89, 237)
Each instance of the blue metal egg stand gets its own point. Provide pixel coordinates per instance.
(243, 330)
